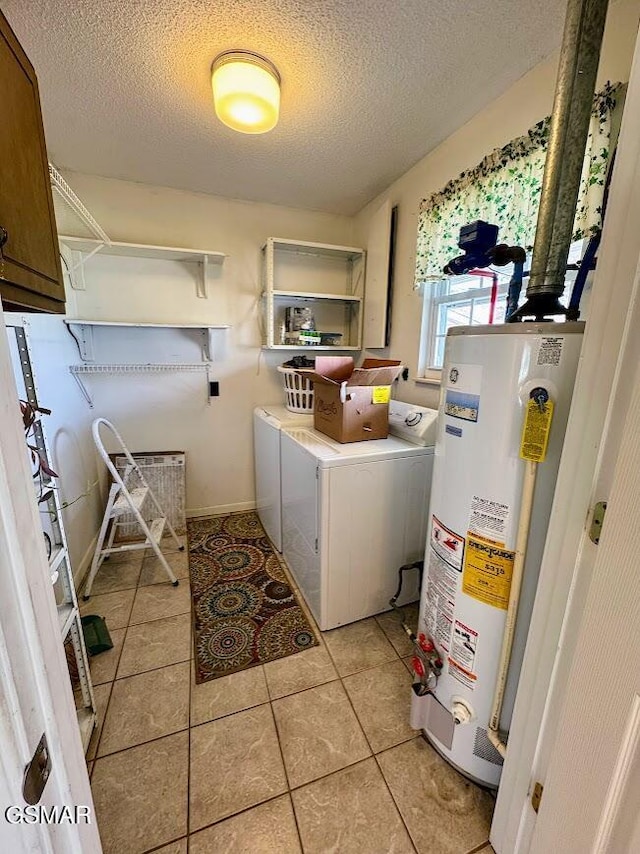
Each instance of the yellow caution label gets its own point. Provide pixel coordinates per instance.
(487, 572)
(381, 394)
(535, 432)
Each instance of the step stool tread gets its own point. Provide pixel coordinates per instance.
(138, 495)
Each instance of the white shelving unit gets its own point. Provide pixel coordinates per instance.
(328, 279)
(71, 634)
(84, 249)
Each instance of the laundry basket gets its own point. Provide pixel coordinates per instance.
(298, 390)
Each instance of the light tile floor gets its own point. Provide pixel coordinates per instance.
(312, 753)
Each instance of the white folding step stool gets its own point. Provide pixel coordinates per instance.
(123, 500)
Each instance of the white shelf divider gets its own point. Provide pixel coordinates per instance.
(316, 296)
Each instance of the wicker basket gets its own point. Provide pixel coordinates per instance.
(298, 390)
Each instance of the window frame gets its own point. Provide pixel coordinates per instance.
(434, 295)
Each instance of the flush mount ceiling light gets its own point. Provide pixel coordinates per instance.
(246, 91)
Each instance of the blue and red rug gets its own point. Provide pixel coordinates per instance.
(245, 611)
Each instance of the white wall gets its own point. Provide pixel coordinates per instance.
(170, 412)
(68, 430)
(509, 116)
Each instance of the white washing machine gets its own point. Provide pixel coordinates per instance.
(267, 424)
(353, 514)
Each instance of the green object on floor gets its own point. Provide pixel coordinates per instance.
(96, 634)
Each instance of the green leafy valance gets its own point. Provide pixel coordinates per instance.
(505, 189)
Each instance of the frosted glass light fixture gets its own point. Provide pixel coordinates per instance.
(246, 91)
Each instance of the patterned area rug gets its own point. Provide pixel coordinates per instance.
(244, 609)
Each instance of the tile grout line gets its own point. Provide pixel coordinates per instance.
(164, 845)
(227, 818)
(388, 787)
(374, 756)
(111, 684)
(130, 676)
(284, 767)
(151, 669)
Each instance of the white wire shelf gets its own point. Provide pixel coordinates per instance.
(77, 371)
(66, 193)
(151, 368)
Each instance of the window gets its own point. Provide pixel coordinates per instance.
(504, 189)
(462, 301)
(471, 301)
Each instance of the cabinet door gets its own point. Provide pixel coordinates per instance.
(32, 274)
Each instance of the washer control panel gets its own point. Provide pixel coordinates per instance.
(416, 424)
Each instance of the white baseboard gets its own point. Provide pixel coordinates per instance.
(81, 571)
(220, 509)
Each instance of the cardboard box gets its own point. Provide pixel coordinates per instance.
(352, 404)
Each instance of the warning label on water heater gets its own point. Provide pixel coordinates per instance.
(535, 431)
(445, 556)
(442, 585)
(447, 544)
(550, 350)
(488, 567)
(462, 658)
(489, 518)
(463, 646)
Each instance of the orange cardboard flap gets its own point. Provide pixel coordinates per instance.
(376, 372)
(336, 368)
(379, 363)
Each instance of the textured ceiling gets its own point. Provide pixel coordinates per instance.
(369, 87)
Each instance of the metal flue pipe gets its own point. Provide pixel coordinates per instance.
(579, 56)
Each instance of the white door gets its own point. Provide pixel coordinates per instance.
(592, 790)
(35, 690)
(602, 395)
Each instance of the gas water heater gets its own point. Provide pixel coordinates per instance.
(506, 392)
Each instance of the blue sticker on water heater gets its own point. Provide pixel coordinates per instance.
(453, 431)
(460, 404)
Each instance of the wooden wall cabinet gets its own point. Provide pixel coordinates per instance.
(31, 276)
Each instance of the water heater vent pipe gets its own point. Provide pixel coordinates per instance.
(579, 57)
